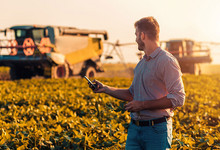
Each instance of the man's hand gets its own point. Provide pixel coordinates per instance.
(123, 94)
(134, 106)
(100, 88)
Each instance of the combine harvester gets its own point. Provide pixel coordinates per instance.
(51, 51)
(190, 54)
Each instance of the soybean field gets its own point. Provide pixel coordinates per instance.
(65, 114)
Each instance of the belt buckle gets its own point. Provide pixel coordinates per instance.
(152, 123)
(137, 122)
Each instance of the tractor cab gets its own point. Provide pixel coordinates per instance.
(21, 33)
(186, 47)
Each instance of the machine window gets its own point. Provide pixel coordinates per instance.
(38, 34)
(20, 33)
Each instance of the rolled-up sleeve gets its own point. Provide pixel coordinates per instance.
(173, 82)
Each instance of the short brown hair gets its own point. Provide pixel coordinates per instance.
(150, 26)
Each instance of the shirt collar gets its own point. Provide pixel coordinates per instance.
(152, 55)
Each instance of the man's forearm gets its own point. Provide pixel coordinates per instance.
(161, 103)
(136, 106)
(122, 94)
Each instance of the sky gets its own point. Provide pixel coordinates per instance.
(194, 19)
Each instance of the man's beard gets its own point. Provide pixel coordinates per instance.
(141, 45)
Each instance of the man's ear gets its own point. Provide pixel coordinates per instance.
(143, 36)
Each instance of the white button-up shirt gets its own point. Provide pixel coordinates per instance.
(156, 76)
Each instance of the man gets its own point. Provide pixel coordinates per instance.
(157, 89)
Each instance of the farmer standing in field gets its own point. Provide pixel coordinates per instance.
(157, 89)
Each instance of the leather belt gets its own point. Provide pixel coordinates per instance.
(149, 122)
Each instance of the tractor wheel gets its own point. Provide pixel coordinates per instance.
(60, 71)
(89, 72)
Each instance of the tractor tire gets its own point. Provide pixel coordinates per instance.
(89, 71)
(60, 71)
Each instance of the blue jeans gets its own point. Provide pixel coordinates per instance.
(157, 137)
